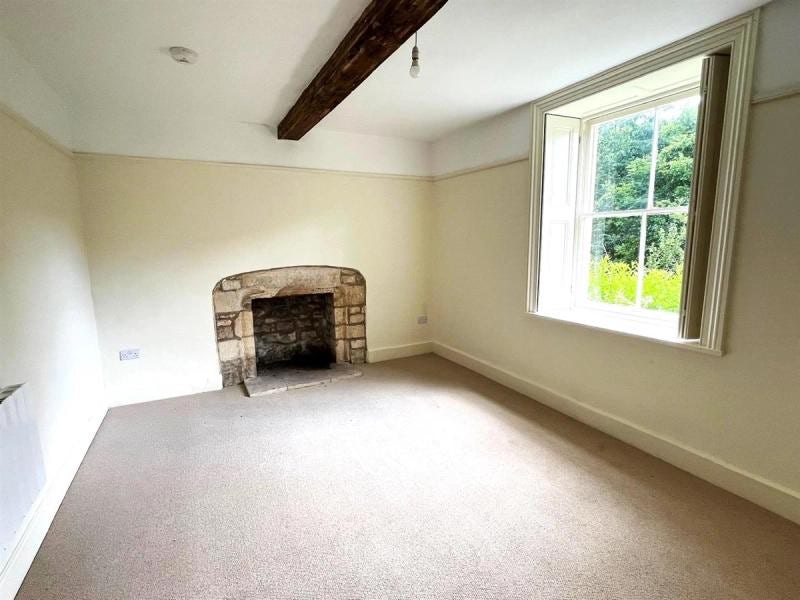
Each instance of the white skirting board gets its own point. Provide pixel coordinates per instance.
(392, 352)
(765, 493)
(44, 510)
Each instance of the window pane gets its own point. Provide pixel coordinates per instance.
(677, 124)
(614, 259)
(624, 149)
(663, 261)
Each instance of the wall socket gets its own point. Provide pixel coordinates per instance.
(129, 354)
(422, 320)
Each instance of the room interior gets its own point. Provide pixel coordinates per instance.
(286, 313)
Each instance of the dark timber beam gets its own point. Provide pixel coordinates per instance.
(380, 30)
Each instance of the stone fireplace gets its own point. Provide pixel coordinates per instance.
(295, 315)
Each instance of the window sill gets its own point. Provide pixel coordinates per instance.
(628, 327)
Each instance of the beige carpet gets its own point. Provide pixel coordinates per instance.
(418, 480)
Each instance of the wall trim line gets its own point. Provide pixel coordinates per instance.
(41, 515)
(759, 490)
(401, 351)
(91, 155)
(482, 167)
(776, 95)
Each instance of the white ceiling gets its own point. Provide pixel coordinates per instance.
(479, 57)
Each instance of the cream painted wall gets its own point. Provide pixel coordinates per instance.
(48, 336)
(742, 409)
(163, 232)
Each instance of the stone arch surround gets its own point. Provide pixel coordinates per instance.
(232, 300)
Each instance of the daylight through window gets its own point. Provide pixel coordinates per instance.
(635, 220)
(625, 199)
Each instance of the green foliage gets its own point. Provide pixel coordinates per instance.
(666, 239)
(622, 178)
(615, 283)
(675, 161)
(617, 238)
(662, 289)
(612, 282)
(623, 162)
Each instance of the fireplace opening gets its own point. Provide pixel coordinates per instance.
(294, 331)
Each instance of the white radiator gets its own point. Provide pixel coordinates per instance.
(22, 473)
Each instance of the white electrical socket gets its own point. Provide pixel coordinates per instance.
(422, 320)
(129, 354)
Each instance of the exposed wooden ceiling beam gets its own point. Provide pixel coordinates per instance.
(380, 30)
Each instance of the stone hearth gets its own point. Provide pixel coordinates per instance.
(233, 303)
(282, 379)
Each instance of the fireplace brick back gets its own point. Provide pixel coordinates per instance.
(295, 329)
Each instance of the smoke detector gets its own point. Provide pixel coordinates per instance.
(185, 56)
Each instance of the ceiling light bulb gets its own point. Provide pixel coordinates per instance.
(414, 70)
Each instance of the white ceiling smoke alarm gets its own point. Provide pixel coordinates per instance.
(186, 56)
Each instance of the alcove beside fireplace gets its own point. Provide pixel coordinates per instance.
(303, 315)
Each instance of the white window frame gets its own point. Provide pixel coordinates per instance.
(736, 35)
(585, 200)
